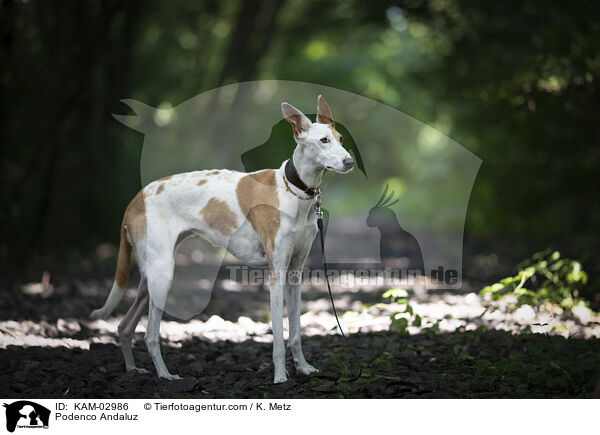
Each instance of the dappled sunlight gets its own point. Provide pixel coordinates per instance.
(459, 347)
(475, 124)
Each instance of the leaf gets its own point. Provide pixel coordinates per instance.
(400, 325)
(417, 321)
(395, 293)
(508, 281)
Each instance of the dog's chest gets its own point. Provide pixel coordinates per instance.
(301, 229)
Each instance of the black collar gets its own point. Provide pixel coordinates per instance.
(293, 177)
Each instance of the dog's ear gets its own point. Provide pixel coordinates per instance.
(324, 115)
(300, 123)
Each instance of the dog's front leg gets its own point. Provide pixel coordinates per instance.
(278, 279)
(277, 321)
(293, 291)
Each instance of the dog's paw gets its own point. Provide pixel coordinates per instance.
(280, 379)
(97, 314)
(306, 369)
(280, 376)
(139, 370)
(170, 377)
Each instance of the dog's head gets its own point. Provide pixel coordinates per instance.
(319, 141)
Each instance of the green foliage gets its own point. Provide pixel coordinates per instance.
(400, 319)
(406, 317)
(506, 107)
(461, 352)
(339, 357)
(433, 329)
(544, 278)
(499, 77)
(396, 294)
(385, 361)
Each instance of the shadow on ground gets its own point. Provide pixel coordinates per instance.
(475, 364)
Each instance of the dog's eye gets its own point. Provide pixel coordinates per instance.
(324, 140)
(341, 139)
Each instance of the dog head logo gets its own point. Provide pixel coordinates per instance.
(26, 414)
(240, 127)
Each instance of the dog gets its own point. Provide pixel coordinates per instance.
(263, 218)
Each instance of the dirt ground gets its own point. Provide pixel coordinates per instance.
(50, 349)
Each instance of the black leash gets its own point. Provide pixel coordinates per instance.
(320, 226)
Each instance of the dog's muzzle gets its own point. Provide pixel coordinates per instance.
(348, 163)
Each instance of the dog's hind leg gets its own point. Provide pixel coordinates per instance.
(159, 277)
(129, 323)
(153, 342)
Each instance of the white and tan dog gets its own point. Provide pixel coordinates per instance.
(262, 218)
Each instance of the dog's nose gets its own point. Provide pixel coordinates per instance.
(348, 162)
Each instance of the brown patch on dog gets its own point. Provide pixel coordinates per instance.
(201, 182)
(168, 177)
(336, 133)
(213, 173)
(218, 216)
(160, 189)
(135, 218)
(123, 260)
(134, 225)
(257, 197)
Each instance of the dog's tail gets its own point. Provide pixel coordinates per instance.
(121, 278)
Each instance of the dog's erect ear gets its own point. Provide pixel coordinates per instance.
(324, 115)
(299, 121)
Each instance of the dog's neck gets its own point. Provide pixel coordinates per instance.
(309, 171)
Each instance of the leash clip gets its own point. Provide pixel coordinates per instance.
(317, 206)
